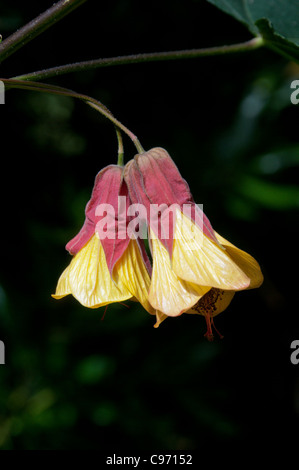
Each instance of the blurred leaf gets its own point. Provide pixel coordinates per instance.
(269, 195)
(51, 127)
(4, 316)
(94, 368)
(277, 21)
(41, 401)
(105, 414)
(210, 417)
(273, 162)
(241, 208)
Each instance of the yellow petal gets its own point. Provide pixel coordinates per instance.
(134, 275)
(88, 278)
(198, 259)
(160, 317)
(215, 301)
(63, 287)
(169, 294)
(246, 262)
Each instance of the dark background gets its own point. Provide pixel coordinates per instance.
(72, 381)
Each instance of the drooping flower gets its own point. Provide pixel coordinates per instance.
(195, 270)
(107, 266)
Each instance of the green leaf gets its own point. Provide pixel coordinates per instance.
(277, 21)
(277, 42)
(238, 9)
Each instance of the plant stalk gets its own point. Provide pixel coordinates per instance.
(252, 44)
(56, 90)
(37, 26)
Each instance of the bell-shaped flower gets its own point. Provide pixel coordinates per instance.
(107, 265)
(195, 270)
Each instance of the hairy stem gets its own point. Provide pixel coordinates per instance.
(56, 90)
(37, 26)
(120, 151)
(137, 58)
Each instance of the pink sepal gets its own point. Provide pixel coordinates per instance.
(107, 187)
(116, 246)
(153, 178)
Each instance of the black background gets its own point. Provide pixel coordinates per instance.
(72, 381)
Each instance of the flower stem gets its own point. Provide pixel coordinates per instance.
(138, 145)
(56, 90)
(37, 26)
(120, 151)
(137, 58)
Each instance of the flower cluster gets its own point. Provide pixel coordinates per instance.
(189, 268)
